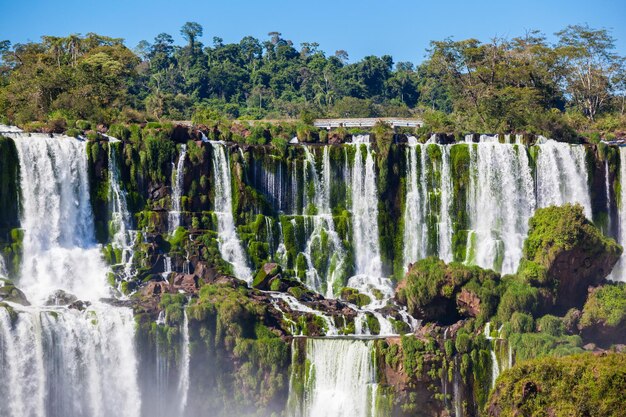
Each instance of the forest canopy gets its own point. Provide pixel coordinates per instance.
(577, 83)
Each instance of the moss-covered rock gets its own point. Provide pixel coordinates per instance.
(575, 386)
(564, 254)
(265, 276)
(603, 319)
(353, 296)
(434, 291)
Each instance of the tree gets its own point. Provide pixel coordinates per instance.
(591, 64)
(191, 31)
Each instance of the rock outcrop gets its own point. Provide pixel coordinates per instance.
(564, 255)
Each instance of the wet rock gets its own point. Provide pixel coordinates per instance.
(10, 293)
(266, 274)
(186, 282)
(204, 272)
(61, 298)
(155, 288)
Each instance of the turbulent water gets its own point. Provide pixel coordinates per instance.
(60, 251)
(56, 361)
(341, 380)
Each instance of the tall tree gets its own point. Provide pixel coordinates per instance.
(591, 62)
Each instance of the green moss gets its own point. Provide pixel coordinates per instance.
(605, 305)
(353, 296)
(577, 386)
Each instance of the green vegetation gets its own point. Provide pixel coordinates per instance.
(432, 290)
(574, 386)
(525, 83)
(606, 305)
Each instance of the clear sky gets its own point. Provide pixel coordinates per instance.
(401, 28)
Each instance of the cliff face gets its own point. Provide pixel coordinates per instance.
(300, 218)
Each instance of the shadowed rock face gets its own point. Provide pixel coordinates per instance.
(575, 271)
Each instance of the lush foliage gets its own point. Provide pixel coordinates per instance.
(524, 83)
(579, 385)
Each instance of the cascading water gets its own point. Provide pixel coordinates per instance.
(60, 361)
(59, 253)
(229, 243)
(619, 272)
(500, 202)
(365, 210)
(183, 378)
(416, 205)
(123, 236)
(177, 192)
(324, 238)
(341, 382)
(562, 175)
(426, 177)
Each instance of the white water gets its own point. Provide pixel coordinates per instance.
(417, 204)
(121, 223)
(183, 378)
(59, 361)
(365, 211)
(562, 175)
(69, 363)
(177, 192)
(59, 252)
(341, 381)
(323, 237)
(229, 243)
(295, 305)
(500, 202)
(619, 272)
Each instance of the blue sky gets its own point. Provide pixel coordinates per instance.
(402, 29)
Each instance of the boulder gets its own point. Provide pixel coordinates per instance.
(61, 298)
(603, 318)
(445, 293)
(10, 293)
(266, 274)
(186, 282)
(564, 255)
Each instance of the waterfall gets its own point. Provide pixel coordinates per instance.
(341, 379)
(60, 252)
(183, 378)
(416, 205)
(445, 218)
(365, 210)
(618, 273)
(295, 305)
(178, 177)
(562, 175)
(72, 363)
(61, 361)
(607, 186)
(229, 244)
(123, 237)
(500, 202)
(323, 234)
(495, 368)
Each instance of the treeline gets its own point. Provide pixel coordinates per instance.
(520, 84)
